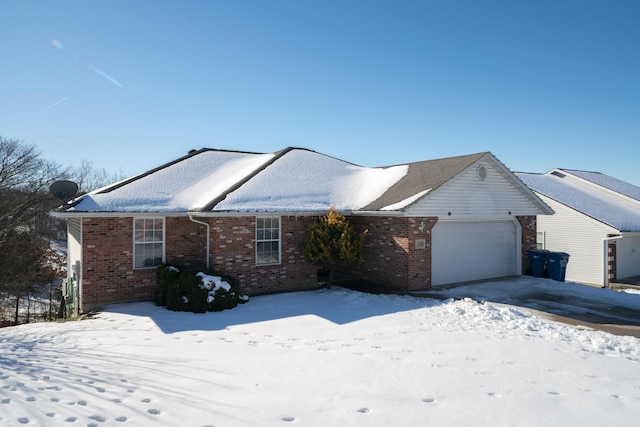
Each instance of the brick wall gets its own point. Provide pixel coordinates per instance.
(529, 240)
(108, 275)
(107, 264)
(390, 257)
(233, 251)
(390, 254)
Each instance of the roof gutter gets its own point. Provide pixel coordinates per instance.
(208, 237)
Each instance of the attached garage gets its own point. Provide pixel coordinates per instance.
(465, 251)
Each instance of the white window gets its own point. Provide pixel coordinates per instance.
(540, 240)
(148, 242)
(267, 240)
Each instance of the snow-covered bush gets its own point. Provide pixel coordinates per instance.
(199, 292)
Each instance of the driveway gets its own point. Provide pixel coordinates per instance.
(614, 311)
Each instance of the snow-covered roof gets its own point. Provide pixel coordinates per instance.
(607, 182)
(294, 180)
(303, 180)
(606, 208)
(187, 184)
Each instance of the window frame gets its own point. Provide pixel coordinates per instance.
(136, 243)
(541, 240)
(270, 239)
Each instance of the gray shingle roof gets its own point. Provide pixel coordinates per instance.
(429, 174)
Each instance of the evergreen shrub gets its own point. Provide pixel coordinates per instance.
(198, 291)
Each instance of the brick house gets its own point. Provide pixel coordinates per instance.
(430, 223)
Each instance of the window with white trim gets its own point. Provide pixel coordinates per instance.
(148, 242)
(540, 240)
(267, 240)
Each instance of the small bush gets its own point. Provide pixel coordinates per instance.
(166, 274)
(198, 292)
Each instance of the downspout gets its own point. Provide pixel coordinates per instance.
(605, 243)
(208, 236)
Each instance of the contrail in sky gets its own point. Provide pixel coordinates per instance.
(105, 75)
(58, 102)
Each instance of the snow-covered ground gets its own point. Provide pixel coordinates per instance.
(330, 357)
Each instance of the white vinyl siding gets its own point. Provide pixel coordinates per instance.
(267, 240)
(579, 236)
(74, 255)
(467, 196)
(466, 251)
(628, 257)
(148, 242)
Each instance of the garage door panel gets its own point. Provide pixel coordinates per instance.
(464, 251)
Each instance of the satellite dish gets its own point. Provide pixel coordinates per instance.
(64, 190)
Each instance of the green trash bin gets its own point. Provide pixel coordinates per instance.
(557, 265)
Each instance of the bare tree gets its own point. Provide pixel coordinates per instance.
(24, 182)
(90, 178)
(26, 227)
(24, 221)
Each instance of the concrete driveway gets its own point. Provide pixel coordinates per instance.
(614, 311)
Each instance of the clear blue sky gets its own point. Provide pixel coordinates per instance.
(130, 85)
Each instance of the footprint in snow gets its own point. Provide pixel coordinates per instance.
(153, 411)
(429, 400)
(288, 419)
(363, 410)
(23, 420)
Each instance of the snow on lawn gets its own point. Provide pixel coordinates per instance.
(321, 358)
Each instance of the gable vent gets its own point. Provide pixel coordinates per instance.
(481, 173)
(558, 174)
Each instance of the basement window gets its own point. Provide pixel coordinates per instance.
(267, 240)
(148, 242)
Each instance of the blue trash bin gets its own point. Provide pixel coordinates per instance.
(537, 258)
(557, 265)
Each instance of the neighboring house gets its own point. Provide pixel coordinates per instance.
(430, 223)
(596, 221)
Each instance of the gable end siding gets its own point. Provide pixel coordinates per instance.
(469, 197)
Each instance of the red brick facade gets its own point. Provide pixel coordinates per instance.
(108, 275)
(107, 264)
(529, 228)
(233, 250)
(397, 253)
(390, 255)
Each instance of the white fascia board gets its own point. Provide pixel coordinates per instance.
(377, 213)
(257, 213)
(115, 214)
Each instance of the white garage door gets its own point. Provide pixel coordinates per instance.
(464, 251)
